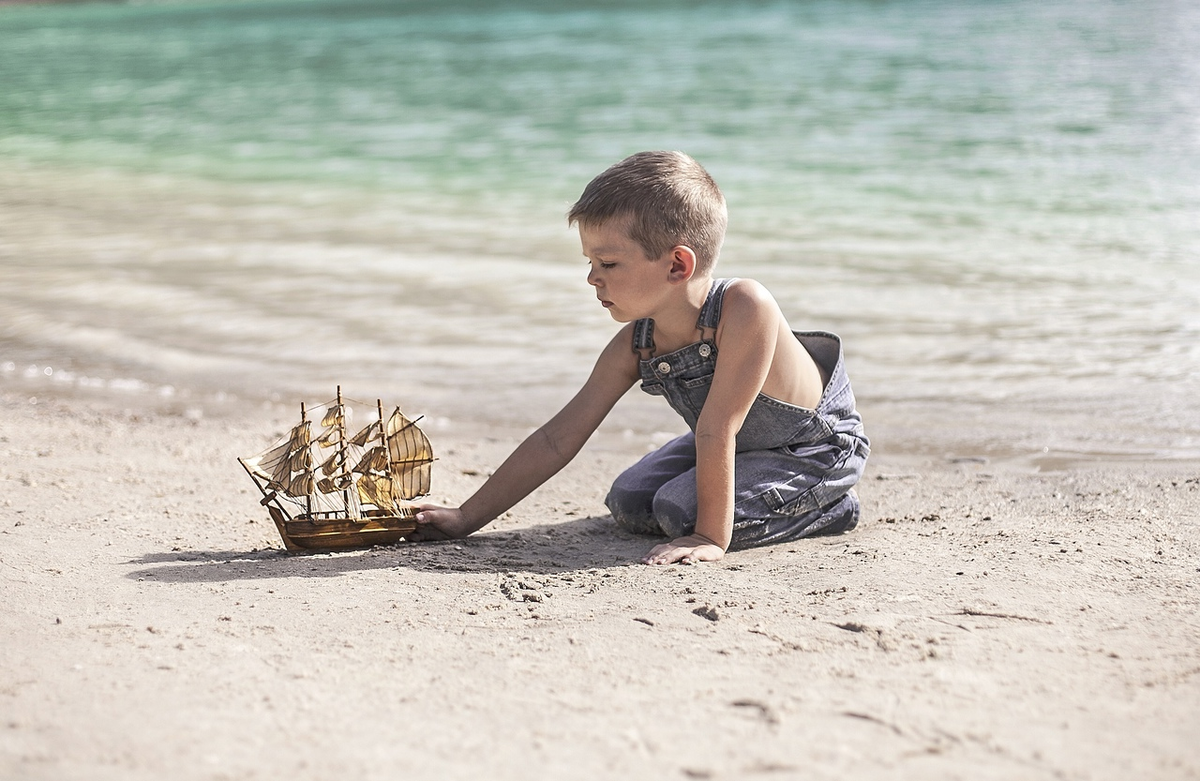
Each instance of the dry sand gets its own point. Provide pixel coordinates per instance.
(984, 621)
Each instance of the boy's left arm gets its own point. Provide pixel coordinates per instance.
(746, 342)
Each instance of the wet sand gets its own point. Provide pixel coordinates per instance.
(986, 620)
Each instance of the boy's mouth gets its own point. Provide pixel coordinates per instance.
(605, 304)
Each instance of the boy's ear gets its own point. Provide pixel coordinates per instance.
(683, 264)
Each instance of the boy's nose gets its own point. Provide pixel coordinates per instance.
(593, 278)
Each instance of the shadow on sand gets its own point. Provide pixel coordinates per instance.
(573, 545)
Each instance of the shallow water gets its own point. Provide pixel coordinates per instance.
(991, 202)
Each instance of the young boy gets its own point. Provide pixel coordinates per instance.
(776, 444)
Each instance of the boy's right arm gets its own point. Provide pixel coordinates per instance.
(544, 452)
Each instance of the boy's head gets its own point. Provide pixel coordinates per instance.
(669, 200)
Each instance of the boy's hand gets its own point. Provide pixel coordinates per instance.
(440, 523)
(685, 550)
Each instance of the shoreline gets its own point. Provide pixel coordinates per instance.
(1059, 436)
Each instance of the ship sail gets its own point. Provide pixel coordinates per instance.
(331, 485)
(366, 435)
(335, 416)
(300, 461)
(377, 490)
(410, 456)
(299, 486)
(334, 463)
(373, 462)
(329, 438)
(336, 477)
(278, 465)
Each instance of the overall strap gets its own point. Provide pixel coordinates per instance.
(710, 316)
(710, 313)
(643, 338)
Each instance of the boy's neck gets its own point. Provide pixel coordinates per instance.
(675, 324)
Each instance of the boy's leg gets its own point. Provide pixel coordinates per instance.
(676, 505)
(798, 492)
(631, 498)
(841, 516)
(778, 496)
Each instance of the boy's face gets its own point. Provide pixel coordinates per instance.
(629, 285)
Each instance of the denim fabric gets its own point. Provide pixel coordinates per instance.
(794, 468)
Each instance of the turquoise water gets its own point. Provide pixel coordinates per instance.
(986, 199)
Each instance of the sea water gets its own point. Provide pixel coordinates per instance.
(991, 202)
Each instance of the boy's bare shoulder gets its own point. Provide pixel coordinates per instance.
(749, 297)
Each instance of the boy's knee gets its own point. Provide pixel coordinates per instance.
(631, 510)
(841, 516)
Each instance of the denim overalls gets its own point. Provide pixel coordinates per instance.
(794, 468)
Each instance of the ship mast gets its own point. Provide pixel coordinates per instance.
(341, 448)
(308, 471)
(387, 446)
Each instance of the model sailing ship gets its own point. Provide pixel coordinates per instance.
(339, 491)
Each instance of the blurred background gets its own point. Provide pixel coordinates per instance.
(995, 204)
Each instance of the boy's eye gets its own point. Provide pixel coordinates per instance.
(607, 265)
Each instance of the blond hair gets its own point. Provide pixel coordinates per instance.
(669, 199)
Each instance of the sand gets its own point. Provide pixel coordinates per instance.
(986, 620)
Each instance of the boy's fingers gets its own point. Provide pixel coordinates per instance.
(667, 557)
(428, 516)
(428, 534)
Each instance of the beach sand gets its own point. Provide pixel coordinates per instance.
(987, 619)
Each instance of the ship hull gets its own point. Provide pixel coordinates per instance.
(301, 533)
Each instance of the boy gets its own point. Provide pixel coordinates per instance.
(776, 444)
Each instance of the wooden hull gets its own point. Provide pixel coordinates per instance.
(340, 533)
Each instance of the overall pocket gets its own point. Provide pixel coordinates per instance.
(694, 392)
(654, 387)
(819, 471)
